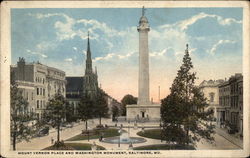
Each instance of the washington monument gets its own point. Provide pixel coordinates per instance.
(144, 109)
(143, 89)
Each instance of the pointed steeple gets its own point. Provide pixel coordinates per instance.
(88, 60)
(88, 48)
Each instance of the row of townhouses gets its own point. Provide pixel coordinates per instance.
(225, 99)
(39, 83)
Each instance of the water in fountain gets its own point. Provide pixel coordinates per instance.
(124, 139)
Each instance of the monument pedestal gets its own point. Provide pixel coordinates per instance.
(150, 112)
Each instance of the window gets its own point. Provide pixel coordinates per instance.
(43, 80)
(37, 104)
(41, 104)
(43, 92)
(27, 94)
(37, 91)
(211, 95)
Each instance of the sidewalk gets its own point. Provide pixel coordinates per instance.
(232, 138)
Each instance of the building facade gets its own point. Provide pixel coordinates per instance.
(232, 97)
(210, 90)
(38, 83)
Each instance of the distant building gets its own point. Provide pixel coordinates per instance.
(38, 83)
(211, 92)
(231, 97)
(86, 85)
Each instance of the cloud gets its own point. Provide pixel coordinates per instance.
(184, 24)
(68, 59)
(42, 16)
(75, 48)
(84, 52)
(160, 53)
(67, 30)
(36, 53)
(216, 45)
(45, 45)
(126, 55)
(113, 55)
(108, 56)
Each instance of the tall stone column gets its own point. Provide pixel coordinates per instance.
(143, 90)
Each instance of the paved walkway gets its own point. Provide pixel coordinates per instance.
(42, 142)
(230, 137)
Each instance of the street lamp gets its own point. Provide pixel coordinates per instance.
(142, 127)
(88, 133)
(119, 137)
(161, 129)
(128, 128)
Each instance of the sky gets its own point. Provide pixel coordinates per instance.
(58, 38)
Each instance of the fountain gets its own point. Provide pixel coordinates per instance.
(124, 139)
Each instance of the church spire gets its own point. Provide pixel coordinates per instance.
(88, 60)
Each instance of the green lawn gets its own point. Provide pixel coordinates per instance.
(75, 146)
(109, 132)
(164, 147)
(151, 133)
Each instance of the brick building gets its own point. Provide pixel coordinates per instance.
(231, 97)
(38, 83)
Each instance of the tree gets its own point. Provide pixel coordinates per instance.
(56, 112)
(115, 112)
(127, 100)
(183, 110)
(70, 117)
(101, 106)
(85, 109)
(21, 127)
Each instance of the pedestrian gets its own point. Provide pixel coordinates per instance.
(52, 140)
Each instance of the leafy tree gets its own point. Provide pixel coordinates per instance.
(115, 111)
(56, 112)
(70, 117)
(183, 110)
(127, 100)
(101, 107)
(21, 127)
(85, 109)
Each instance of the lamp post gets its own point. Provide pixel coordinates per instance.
(143, 127)
(128, 128)
(88, 133)
(119, 137)
(161, 129)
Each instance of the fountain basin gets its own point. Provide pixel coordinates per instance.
(115, 140)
